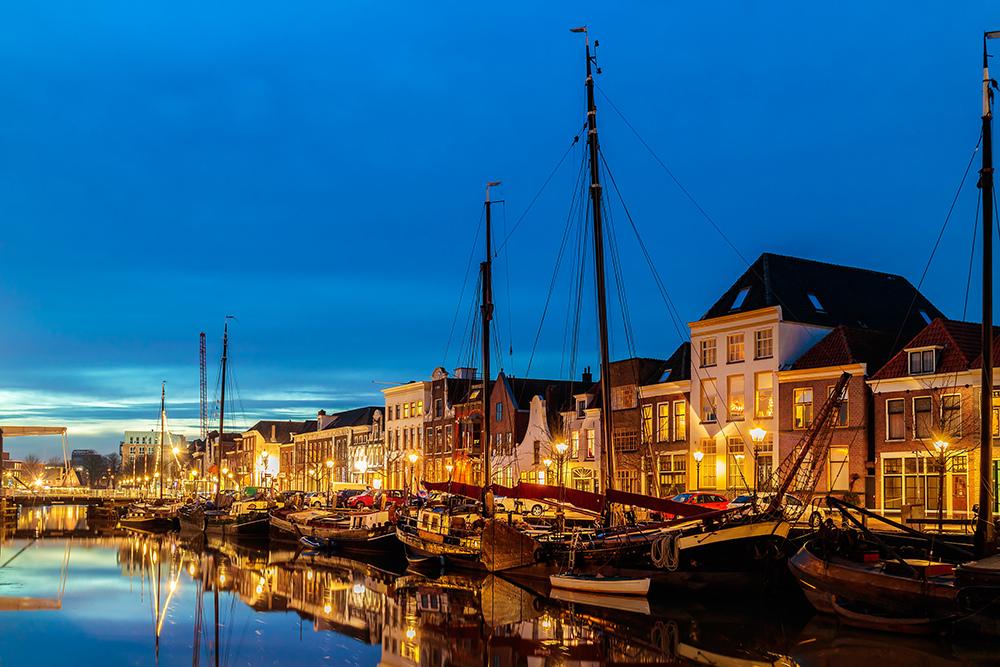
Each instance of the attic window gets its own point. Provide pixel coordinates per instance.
(740, 298)
(815, 302)
(923, 314)
(923, 362)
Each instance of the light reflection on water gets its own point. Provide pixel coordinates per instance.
(115, 597)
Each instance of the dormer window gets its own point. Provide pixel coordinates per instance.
(740, 298)
(923, 362)
(815, 302)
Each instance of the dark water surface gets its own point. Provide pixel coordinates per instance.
(114, 597)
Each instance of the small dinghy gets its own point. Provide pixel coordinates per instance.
(598, 584)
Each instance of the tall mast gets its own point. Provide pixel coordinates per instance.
(222, 403)
(602, 308)
(163, 429)
(487, 313)
(985, 539)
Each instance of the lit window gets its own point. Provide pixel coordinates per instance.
(574, 450)
(740, 298)
(708, 352)
(590, 443)
(680, 420)
(841, 417)
(735, 347)
(802, 414)
(736, 397)
(406, 410)
(765, 344)
(623, 398)
(764, 394)
(815, 302)
(707, 402)
(647, 423)
(663, 422)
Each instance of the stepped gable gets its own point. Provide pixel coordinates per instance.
(843, 295)
(960, 342)
(849, 345)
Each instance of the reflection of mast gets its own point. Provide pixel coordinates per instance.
(163, 428)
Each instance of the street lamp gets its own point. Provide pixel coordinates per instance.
(329, 479)
(263, 466)
(698, 456)
(561, 448)
(413, 467)
(941, 446)
(757, 435)
(449, 468)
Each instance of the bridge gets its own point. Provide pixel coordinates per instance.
(18, 431)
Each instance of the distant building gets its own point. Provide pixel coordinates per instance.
(140, 450)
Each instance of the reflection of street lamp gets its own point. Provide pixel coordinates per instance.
(941, 446)
(561, 448)
(757, 435)
(698, 456)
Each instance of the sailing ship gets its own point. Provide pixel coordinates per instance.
(159, 515)
(445, 530)
(363, 531)
(699, 548)
(857, 576)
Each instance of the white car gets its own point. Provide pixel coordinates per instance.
(518, 506)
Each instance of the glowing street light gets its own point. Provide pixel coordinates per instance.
(941, 446)
(698, 456)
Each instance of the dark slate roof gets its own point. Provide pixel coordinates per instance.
(850, 345)
(677, 367)
(354, 417)
(283, 430)
(846, 295)
(961, 342)
(644, 370)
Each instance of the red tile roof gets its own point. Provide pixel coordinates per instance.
(960, 342)
(848, 345)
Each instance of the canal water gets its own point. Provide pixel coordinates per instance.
(72, 595)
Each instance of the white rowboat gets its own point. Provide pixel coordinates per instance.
(599, 584)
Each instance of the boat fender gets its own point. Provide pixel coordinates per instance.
(538, 555)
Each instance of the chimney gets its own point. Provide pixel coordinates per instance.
(274, 427)
(587, 377)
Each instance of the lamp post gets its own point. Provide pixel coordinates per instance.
(362, 467)
(449, 468)
(263, 467)
(757, 435)
(561, 447)
(548, 464)
(329, 480)
(941, 446)
(413, 467)
(698, 456)
(222, 478)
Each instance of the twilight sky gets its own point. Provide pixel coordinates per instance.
(317, 170)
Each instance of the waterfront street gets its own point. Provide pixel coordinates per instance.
(116, 597)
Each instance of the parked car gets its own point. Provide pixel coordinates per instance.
(369, 498)
(316, 499)
(710, 500)
(519, 506)
(341, 497)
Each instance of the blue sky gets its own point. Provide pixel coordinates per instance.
(318, 171)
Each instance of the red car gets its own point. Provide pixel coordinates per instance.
(710, 500)
(370, 497)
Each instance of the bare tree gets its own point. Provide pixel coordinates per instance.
(54, 462)
(33, 466)
(114, 465)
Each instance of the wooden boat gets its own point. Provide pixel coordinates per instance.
(901, 595)
(361, 531)
(599, 584)
(445, 533)
(151, 517)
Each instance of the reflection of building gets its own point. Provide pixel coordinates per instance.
(433, 625)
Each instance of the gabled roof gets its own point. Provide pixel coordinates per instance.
(849, 345)
(641, 370)
(827, 295)
(960, 343)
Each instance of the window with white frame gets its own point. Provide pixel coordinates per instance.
(802, 408)
(591, 444)
(663, 422)
(764, 344)
(896, 426)
(708, 356)
(734, 348)
(708, 401)
(922, 362)
(672, 473)
(764, 394)
(951, 415)
(680, 420)
(734, 463)
(922, 417)
(574, 448)
(736, 396)
(707, 463)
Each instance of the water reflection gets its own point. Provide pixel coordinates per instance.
(114, 596)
